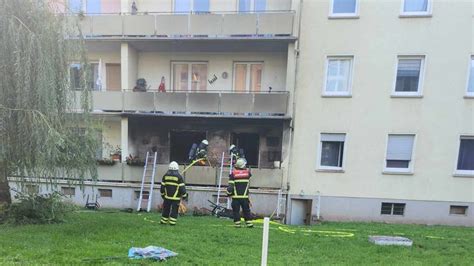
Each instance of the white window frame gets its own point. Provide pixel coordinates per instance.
(189, 63)
(247, 77)
(320, 167)
(468, 93)
(411, 165)
(347, 93)
(427, 13)
(465, 173)
(343, 15)
(252, 6)
(419, 92)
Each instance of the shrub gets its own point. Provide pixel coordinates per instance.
(38, 209)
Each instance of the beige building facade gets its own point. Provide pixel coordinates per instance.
(348, 110)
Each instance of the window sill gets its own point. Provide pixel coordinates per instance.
(416, 15)
(406, 96)
(343, 16)
(321, 170)
(388, 172)
(468, 96)
(336, 95)
(468, 175)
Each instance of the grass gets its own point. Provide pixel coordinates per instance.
(95, 237)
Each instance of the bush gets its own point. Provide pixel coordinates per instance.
(38, 209)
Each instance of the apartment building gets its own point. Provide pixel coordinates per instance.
(348, 109)
(384, 114)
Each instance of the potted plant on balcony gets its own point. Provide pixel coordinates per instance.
(105, 161)
(116, 154)
(134, 161)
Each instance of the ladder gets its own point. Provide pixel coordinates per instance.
(281, 203)
(148, 174)
(221, 173)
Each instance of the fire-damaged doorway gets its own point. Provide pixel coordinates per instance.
(181, 142)
(250, 142)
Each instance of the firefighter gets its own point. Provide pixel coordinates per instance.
(236, 153)
(238, 189)
(172, 190)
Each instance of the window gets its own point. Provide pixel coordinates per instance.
(105, 193)
(416, 7)
(252, 5)
(189, 76)
(465, 162)
(392, 208)
(409, 76)
(458, 210)
(248, 77)
(145, 195)
(68, 191)
(186, 6)
(93, 81)
(331, 151)
(344, 8)
(338, 76)
(75, 6)
(31, 189)
(470, 83)
(399, 153)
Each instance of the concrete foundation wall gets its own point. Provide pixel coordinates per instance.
(367, 209)
(124, 195)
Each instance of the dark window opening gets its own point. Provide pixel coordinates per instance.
(273, 141)
(68, 191)
(458, 210)
(250, 142)
(181, 142)
(392, 208)
(145, 195)
(398, 164)
(105, 193)
(466, 154)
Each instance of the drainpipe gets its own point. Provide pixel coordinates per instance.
(293, 107)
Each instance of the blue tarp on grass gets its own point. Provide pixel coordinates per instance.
(150, 252)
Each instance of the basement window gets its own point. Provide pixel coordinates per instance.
(458, 210)
(145, 195)
(105, 193)
(181, 143)
(31, 189)
(68, 191)
(392, 208)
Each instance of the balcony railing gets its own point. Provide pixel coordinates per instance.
(189, 25)
(194, 103)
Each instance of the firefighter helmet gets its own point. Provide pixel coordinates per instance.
(241, 163)
(205, 142)
(173, 166)
(231, 147)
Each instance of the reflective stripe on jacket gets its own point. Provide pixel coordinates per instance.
(172, 186)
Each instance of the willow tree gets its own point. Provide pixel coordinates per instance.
(42, 135)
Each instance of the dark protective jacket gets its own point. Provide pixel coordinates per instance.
(239, 183)
(172, 186)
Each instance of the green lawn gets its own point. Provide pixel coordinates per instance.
(94, 237)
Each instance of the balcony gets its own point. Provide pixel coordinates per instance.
(202, 176)
(251, 25)
(223, 103)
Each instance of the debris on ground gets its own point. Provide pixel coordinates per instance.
(391, 241)
(151, 252)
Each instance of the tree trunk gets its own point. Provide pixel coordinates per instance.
(5, 197)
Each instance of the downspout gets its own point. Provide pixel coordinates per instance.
(293, 108)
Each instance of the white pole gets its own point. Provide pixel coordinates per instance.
(266, 225)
